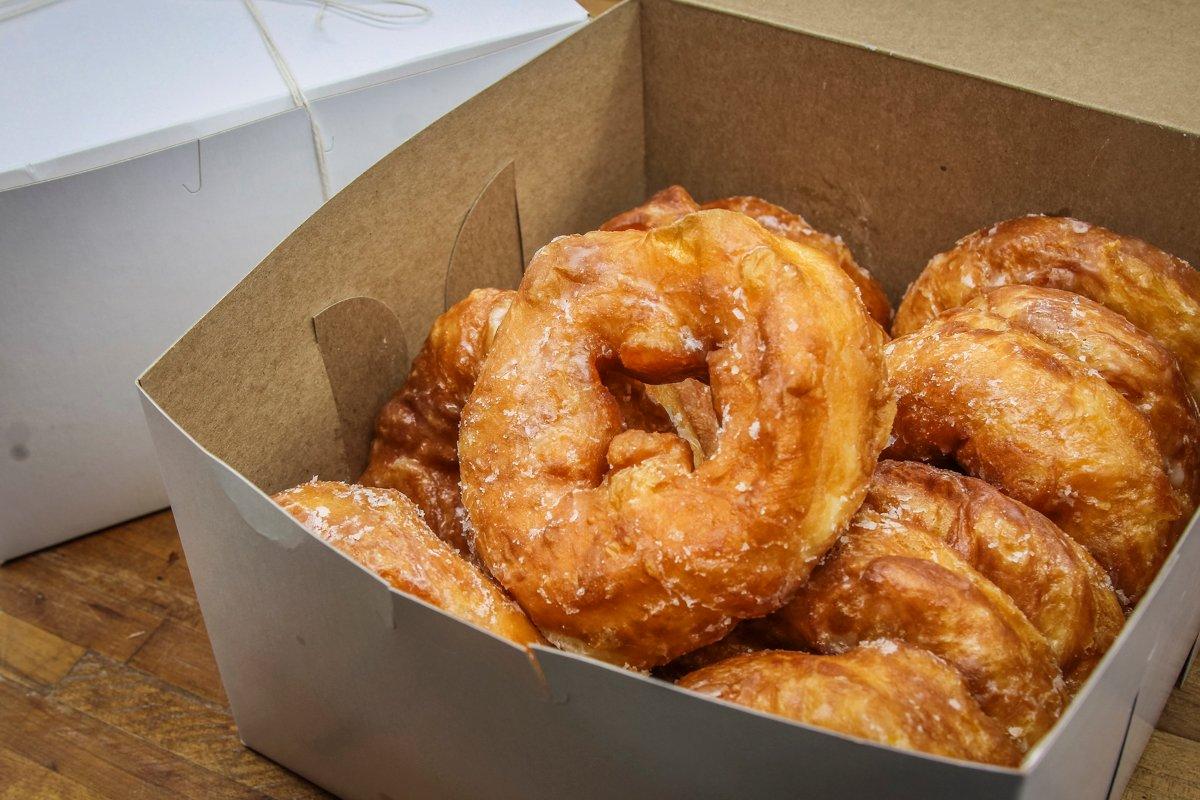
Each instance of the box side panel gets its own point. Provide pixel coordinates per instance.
(363, 691)
(1094, 749)
(899, 158)
(247, 381)
(667, 742)
(99, 272)
(1134, 59)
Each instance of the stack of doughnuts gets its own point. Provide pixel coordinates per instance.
(685, 445)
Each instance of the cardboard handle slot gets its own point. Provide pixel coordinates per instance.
(365, 354)
(487, 250)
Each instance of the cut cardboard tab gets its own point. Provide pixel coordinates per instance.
(256, 509)
(365, 355)
(487, 250)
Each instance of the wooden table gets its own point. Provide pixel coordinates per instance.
(108, 687)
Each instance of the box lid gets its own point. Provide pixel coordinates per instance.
(1136, 59)
(91, 84)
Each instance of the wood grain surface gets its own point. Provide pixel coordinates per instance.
(108, 688)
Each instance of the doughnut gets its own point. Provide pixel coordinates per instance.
(1049, 577)
(415, 448)
(974, 390)
(674, 202)
(884, 691)
(615, 542)
(382, 530)
(1156, 291)
(902, 571)
(779, 220)
(1130, 360)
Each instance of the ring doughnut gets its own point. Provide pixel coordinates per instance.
(1156, 291)
(415, 449)
(886, 692)
(383, 531)
(1048, 576)
(658, 557)
(1046, 429)
(671, 203)
(905, 570)
(1130, 360)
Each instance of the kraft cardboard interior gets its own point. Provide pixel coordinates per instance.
(371, 693)
(1123, 57)
(899, 158)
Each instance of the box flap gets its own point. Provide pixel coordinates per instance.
(487, 250)
(1135, 59)
(366, 357)
(91, 84)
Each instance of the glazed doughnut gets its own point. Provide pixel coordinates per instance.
(382, 530)
(658, 556)
(886, 692)
(779, 220)
(1046, 429)
(1156, 291)
(674, 202)
(415, 449)
(1048, 576)
(893, 575)
(1130, 360)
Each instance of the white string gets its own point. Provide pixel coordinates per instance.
(350, 9)
(361, 12)
(297, 95)
(356, 10)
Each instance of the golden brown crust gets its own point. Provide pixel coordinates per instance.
(1049, 577)
(415, 449)
(1154, 290)
(887, 692)
(786, 223)
(671, 203)
(1130, 360)
(657, 558)
(382, 530)
(891, 577)
(663, 208)
(1015, 411)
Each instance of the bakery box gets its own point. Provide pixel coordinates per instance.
(373, 694)
(150, 152)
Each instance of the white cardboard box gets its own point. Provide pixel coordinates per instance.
(371, 693)
(149, 153)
